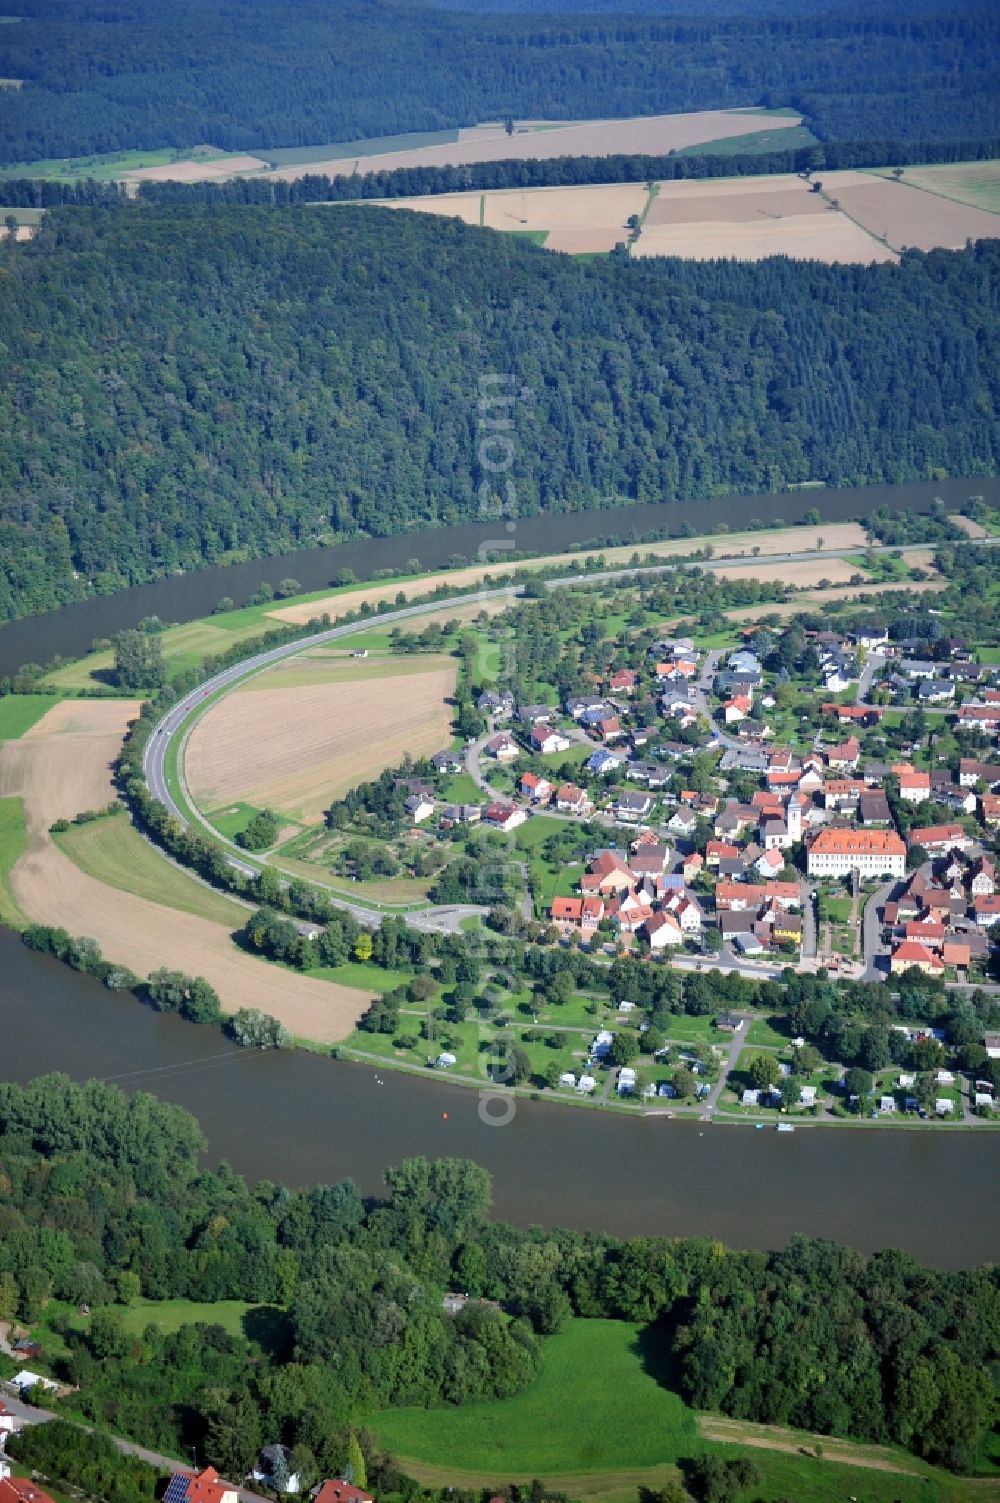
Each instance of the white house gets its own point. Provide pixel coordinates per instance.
(586, 1084)
(546, 740)
(445, 1060)
(269, 1468)
(418, 807)
(663, 929)
(502, 748)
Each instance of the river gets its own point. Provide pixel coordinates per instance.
(302, 1119)
(186, 597)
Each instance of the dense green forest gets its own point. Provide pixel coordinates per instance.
(106, 75)
(102, 1199)
(187, 384)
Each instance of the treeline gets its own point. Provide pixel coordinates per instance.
(106, 1202)
(563, 172)
(192, 997)
(266, 74)
(210, 382)
(43, 193)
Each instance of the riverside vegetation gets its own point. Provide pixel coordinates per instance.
(103, 1203)
(143, 344)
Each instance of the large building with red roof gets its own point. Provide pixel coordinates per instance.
(873, 853)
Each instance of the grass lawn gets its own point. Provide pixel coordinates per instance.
(368, 978)
(763, 1031)
(168, 1315)
(113, 852)
(836, 910)
(13, 839)
(19, 712)
(232, 819)
(565, 1422)
(459, 788)
(689, 1030)
(536, 831)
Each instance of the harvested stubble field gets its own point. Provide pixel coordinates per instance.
(751, 218)
(802, 574)
(194, 171)
(835, 535)
(906, 217)
(293, 746)
(63, 766)
(652, 134)
(590, 218)
(968, 526)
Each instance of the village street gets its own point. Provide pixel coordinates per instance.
(35, 1416)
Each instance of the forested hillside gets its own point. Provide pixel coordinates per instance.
(180, 383)
(106, 75)
(102, 1200)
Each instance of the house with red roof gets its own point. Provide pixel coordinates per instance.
(937, 838)
(911, 955)
(535, 787)
(570, 799)
(198, 1487)
(504, 816)
(845, 756)
(545, 740)
(341, 1492)
(914, 787)
(662, 930)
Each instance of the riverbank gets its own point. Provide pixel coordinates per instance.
(189, 597)
(297, 1118)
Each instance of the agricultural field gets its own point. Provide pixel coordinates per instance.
(903, 216)
(975, 183)
(62, 766)
(857, 216)
(113, 852)
(749, 219)
(299, 734)
(540, 140)
(19, 712)
(587, 219)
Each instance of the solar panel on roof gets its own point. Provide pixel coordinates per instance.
(177, 1489)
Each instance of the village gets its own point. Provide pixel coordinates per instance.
(775, 800)
(801, 848)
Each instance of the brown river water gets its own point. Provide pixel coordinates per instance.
(185, 597)
(303, 1119)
